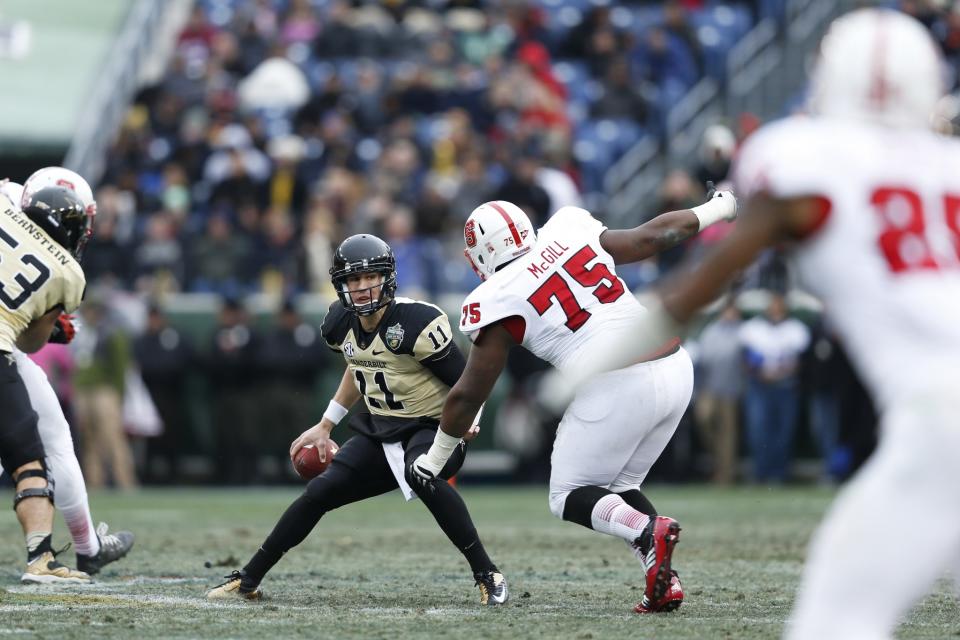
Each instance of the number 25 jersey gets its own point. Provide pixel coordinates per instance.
(565, 290)
(885, 254)
(36, 274)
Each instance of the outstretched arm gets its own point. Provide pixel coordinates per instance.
(766, 222)
(486, 361)
(668, 229)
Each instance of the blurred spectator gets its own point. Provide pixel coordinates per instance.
(318, 228)
(338, 39)
(164, 359)
(198, 32)
(219, 258)
(522, 189)
(57, 363)
(560, 188)
(773, 343)
(105, 257)
(159, 260)
(290, 359)
(419, 261)
(475, 187)
(676, 23)
(621, 97)
(234, 380)
(278, 255)
(102, 355)
(665, 59)
(300, 24)
(720, 386)
(276, 83)
(595, 39)
(716, 152)
(821, 370)
(286, 188)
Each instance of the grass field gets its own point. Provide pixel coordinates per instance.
(382, 569)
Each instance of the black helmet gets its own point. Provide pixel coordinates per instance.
(60, 212)
(364, 253)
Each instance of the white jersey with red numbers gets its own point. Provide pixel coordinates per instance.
(885, 256)
(565, 291)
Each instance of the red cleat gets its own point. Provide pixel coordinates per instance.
(664, 533)
(670, 602)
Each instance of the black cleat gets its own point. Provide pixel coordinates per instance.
(113, 546)
(493, 588)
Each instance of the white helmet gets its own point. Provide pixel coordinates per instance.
(13, 190)
(496, 233)
(61, 177)
(879, 65)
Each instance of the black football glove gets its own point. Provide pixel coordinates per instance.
(63, 330)
(711, 189)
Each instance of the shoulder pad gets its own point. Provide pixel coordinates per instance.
(486, 305)
(335, 324)
(407, 322)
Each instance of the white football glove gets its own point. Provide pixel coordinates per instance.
(424, 471)
(720, 205)
(426, 468)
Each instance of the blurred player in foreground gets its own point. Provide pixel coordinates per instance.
(557, 293)
(401, 360)
(95, 547)
(869, 197)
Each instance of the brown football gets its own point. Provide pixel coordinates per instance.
(307, 461)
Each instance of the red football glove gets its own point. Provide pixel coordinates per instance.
(63, 330)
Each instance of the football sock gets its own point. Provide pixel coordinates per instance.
(614, 517)
(451, 514)
(604, 511)
(640, 502)
(71, 500)
(294, 526)
(38, 543)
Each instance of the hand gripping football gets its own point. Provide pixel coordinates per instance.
(307, 461)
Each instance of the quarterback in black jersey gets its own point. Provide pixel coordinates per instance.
(401, 360)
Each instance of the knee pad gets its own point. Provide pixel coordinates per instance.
(34, 492)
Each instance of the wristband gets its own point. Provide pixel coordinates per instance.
(443, 445)
(715, 209)
(335, 412)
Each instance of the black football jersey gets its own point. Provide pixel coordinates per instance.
(387, 365)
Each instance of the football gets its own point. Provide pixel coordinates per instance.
(307, 461)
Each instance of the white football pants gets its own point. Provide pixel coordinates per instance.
(618, 425)
(892, 531)
(70, 491)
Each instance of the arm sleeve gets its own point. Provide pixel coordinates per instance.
(447, 365)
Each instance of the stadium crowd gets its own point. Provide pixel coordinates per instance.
(282, 127)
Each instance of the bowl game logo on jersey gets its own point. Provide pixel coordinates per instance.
(469, 235)
(348, 349)
(394, 336)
